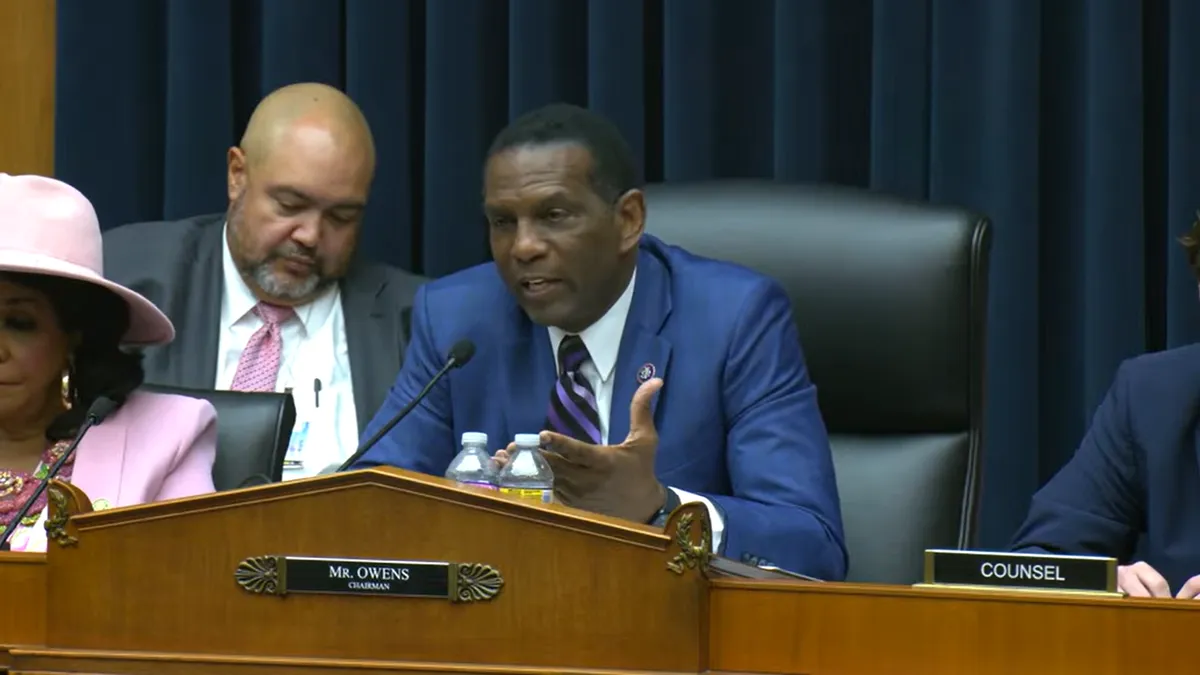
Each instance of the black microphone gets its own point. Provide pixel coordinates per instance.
(459, 355)
(101, 408)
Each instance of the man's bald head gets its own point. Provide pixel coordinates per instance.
(298, 184)
(307, 105)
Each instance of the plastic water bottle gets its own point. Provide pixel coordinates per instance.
(473, 465)
(527, 474)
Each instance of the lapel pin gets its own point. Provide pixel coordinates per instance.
(645, 373)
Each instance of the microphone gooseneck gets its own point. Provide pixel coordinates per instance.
(457, 357)
(101, 408)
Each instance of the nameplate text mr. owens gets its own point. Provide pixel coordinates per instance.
(454, 581)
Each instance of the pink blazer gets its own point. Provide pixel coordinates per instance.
(154, 447)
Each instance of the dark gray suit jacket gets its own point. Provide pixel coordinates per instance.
(177, 266)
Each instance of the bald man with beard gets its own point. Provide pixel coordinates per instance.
(269, 296)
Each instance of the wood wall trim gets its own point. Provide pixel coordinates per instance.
(27, 41)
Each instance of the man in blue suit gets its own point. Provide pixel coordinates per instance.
(1135, 477)
(678, 378)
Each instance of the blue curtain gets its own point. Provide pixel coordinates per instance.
(1072, 123)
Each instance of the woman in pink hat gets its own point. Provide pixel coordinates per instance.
(63, 330)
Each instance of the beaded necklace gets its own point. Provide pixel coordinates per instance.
(17, 486)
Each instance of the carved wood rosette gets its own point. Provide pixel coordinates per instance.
(691, 538)
(64, 501)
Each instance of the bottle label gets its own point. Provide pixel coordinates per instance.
(531, 494)
(477, 484)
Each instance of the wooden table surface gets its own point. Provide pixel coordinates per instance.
(810, 629)
(22, 599)
(797, 628)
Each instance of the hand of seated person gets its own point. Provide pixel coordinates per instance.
(614, 480)
(1190, 590)
(1140, 580)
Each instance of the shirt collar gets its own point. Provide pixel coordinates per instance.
(239, 299)
(603, 338)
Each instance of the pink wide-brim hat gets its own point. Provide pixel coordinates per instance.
(48, 227)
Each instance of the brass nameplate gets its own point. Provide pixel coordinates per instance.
(456, 582)
(1015, 571)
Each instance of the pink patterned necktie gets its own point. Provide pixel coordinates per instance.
(258, 368)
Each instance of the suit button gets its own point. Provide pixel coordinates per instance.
(746, 558)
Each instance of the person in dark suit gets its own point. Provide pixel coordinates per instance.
(270, 295)
(1133, 485)
(678, 378)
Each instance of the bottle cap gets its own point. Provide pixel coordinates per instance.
(474, 437)
(528, 440)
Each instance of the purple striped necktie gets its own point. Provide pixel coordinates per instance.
(573, 410)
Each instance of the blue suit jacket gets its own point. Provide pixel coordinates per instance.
(737, 415)
(1136, 474)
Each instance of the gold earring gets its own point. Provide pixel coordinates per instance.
(66, 390)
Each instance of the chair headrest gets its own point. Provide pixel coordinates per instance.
(889, 294)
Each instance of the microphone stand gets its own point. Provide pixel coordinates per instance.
(100, 409)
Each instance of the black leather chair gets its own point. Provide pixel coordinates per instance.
(891, 303)
(253, 432)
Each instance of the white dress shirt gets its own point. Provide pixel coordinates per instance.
(314, 349)
(603, 342)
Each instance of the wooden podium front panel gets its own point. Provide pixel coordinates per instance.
(22, 599)
(813, 628)
(161, 579)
